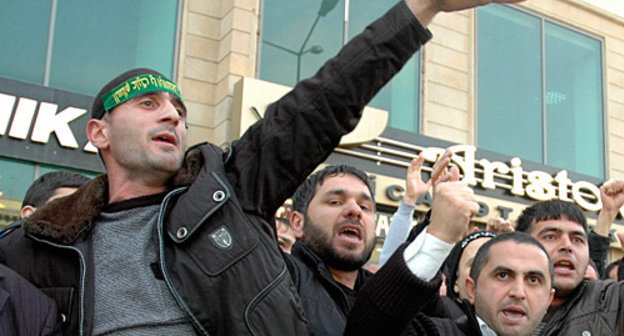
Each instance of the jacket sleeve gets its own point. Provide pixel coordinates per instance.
(400, 226)
(390, 299)
(300, 130)
(598, 251)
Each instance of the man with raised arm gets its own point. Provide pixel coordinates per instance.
(177, 240)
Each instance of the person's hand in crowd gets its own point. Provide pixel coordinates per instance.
(415, 187)
(454, 204)
(612, 198)
(425, 10)
(500, 225)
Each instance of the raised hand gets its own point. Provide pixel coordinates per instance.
(612, 198)
(500, 225)
(425, 10)
(414, 184)
(455, 5)
(454, 204)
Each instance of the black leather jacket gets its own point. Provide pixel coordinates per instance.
(593, 308)
(241, 287)
(324, 301)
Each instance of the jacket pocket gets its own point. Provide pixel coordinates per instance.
(209, 223)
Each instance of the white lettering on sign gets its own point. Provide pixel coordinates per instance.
(47, 121)
(22, 118)
(538, 185)
(382, 225)
(6, 105)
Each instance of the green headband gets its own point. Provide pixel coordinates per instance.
(137, 86)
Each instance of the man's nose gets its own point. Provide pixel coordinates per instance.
(353, 209)
(170, 113)
(517, 289)
(565, 244)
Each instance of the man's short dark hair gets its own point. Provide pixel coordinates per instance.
(550, 210)
(483, 255)
(307, 190)
(44, 187)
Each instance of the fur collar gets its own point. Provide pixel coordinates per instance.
(63, 220)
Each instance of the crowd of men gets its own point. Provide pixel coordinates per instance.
(183, 241)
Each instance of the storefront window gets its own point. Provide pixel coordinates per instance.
(574, 105)
(15, 177)
(297, 39)
(539, 92)
(90, 41)
(24, 37)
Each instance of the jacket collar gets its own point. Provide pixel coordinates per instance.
(312, 260)
(560, 313)
(63, 220)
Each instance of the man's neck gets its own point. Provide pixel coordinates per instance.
(557, 302)
(346, 278)
(127, 187)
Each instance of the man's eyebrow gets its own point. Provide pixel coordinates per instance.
(343, 192)
(335, 192)
(549, 229)
(146, 94)
(559, 231)
(366, 196)
(579, 233)
(536, 273)
(502, 268)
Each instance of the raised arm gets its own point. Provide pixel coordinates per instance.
(612, 198)
(400, 290)
(425, 10)
(415, 187)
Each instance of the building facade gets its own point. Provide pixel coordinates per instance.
(530, 96)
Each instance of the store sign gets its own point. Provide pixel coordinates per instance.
(45, 125)
(535, 185)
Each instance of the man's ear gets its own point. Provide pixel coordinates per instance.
(296, 223)
(27, 210)
(470, 289)
(97, 133)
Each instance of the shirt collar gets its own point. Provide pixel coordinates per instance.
(485, 329)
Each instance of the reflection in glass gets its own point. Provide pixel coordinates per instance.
(296, 41)
(93, 40)
(509, 79)
(574, 104)
(23, 38)
(15, 177)
(514, 108)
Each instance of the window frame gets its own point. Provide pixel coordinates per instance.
(52, 28)
(543, 20)
(345, 40)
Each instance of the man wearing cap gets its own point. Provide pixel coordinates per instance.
(177, 241)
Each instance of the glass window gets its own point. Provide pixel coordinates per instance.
(574, 105)
(88, 49)
(539, 91)
(401, 96)
(24, 38)
(92, 41)
(15, 177)
(297, 40)
(298, 37)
